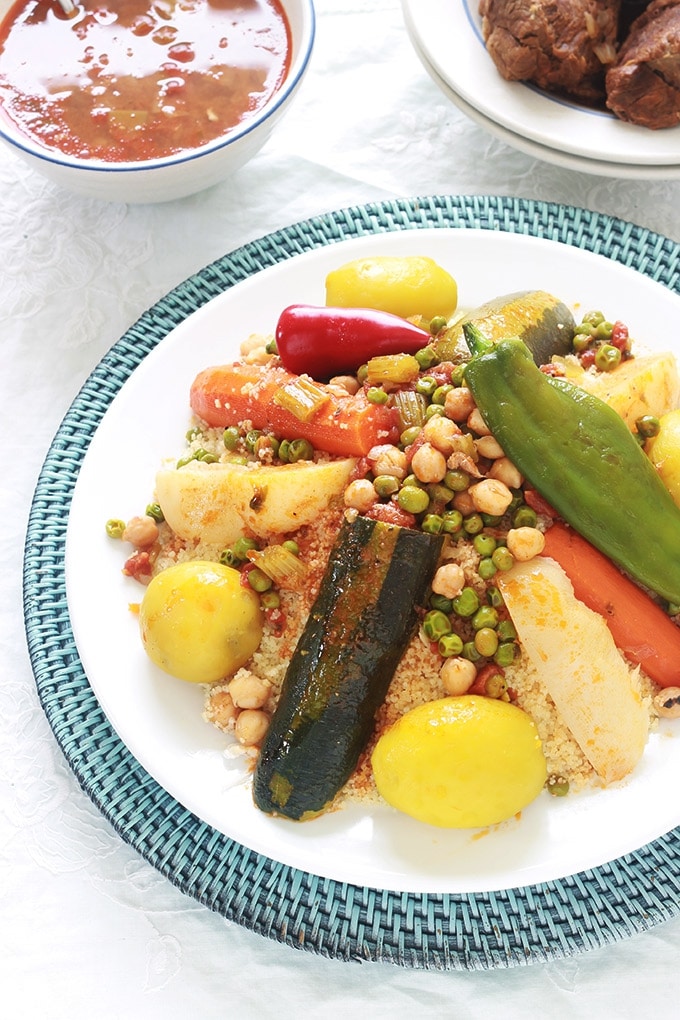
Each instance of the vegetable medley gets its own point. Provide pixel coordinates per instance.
(423, 554)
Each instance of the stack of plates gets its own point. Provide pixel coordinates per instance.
(447, 37)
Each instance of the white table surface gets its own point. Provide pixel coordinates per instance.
(87, 927)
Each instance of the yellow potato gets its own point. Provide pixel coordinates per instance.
(459, 763)
(198, 622)
(664, 452)
(217, 503)
(406, 286)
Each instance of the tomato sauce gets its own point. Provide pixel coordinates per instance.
(131, 80)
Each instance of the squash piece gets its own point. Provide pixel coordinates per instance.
(648, 384)
(217, 503)
(575, 657)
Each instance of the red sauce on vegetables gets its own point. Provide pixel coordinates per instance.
(130, 80)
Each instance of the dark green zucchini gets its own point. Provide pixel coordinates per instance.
(544, 323)
(365, 614)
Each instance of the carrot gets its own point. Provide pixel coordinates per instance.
(640, 627)
(344, 425)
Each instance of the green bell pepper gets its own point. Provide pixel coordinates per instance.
(581, 457)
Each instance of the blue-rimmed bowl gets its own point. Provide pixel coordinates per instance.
(186, 172)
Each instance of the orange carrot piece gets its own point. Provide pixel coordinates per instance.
(640, 627)
(347, 426)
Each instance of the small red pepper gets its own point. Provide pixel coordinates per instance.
(322, 342)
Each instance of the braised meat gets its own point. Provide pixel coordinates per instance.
(559, 45)
(643, 86)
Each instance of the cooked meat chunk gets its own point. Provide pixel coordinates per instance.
(559, 45)
(643, 86)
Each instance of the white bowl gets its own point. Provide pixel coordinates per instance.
(183, 173)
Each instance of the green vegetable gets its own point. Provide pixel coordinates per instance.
(544, 323)
(364, 616)
(581, 457)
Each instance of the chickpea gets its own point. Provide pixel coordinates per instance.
(458, 675)
(441, 433)
(220, 709)
(667, 703)
(525, 543)
(503, 470)
(251, 726)
(360, 495)
(477, 424)
(347, 383)
(388, 460)
(254, 349)
(141, 532)
(459, 403)
(428, 464)
(490, 497)
(248, 690)
(463, 502)
(489, 447)
(449, 580)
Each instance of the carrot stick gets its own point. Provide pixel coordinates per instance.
(640, 627)
(347, 426)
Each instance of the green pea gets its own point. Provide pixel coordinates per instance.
(437, 324)
(291, 546)
(266, 443)
(473, 524)
(458, 375)
(607, 357)
(409, 435)
(583, 339)
(115, 527)
(426, 356)
(193, 434)
(506, 630)
(426, 385)
(230, 437)
(486, 642)
(558, 786)
(412, 499)
(593, 318)
(270, 347)
(270, 600)
(503, 558)
(496, 686)
(648, 425)
(603, 330)
(300, 449)
(258, 580)
(486, 568)
(467, 603)
(376, 395)
(186, 459)
(485, 616)
(432, 524)
(385, 485)
(284, 450)
(435, 625)
(469, 651)
(450, 644)
(362, 374)
(252, 438)
(524, 517)
(484, 544)
(439, 395)
(242, 547)
(205, 456)
(229, 558)
(154, 511)
(494, 597)
(505, 654)
(453, 522)
(441, 603)
(457, 480)
(433, 410)
(491, 520)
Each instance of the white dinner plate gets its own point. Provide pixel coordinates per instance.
(447, 33)
(159, 718)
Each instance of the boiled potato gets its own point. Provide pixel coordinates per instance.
(407, 286)
(460, 762)
(198, 622)
(664, 452)
(217, 503)
(574, 655)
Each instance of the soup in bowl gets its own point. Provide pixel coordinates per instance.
(147, 100)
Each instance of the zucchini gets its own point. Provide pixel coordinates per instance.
(544, 323)
(377, 577)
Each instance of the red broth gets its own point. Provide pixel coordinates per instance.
(130, 80)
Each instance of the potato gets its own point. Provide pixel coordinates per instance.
(461, 762)
(198, 622)
(648, 384)
(579, 666)
(664, 452)
(217, 503)
(407, 286)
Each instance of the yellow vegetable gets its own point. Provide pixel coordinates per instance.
(579, 666)
(459, 763)
(217, 503)
(407, 286)
(664, 452)
(198, 622)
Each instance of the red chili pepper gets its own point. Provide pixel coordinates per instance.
(323, 342)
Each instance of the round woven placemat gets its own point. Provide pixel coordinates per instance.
(334, 919)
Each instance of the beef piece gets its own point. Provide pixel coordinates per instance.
(559, 45)
(643, 86)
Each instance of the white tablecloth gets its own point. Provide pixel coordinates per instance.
(87, 927)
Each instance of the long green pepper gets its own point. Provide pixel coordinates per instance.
(581, 457)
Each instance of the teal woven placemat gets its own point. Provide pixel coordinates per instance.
(334, 919)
